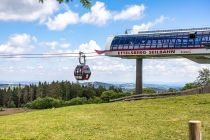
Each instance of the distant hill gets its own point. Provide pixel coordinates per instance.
(97, 84)
(6, 84)
(123, 86)
(131, 86)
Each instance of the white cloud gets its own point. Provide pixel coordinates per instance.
(91, 46)
(18, 43)
(147, 26)
(53, 45)
(26, 10)
(98, 15)
(171, 70)
(40, 67)
(65, 45)
(61, 21)
(65, 68)
(131, 12)
(32, 10)
(30, 67)
(112, 65)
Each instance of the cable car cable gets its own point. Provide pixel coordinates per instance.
(42, 54)
(57, 56)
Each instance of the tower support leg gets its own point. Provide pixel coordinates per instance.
(139, 77)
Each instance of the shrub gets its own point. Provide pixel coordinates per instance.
(110, 94)
(44, 103)
(172, 90)
(107, 95)
(148, 91)
(11, 104)
(1, 109)
(190, 86)
(95, 100)
(77, 101)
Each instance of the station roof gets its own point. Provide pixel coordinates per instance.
(175, 30)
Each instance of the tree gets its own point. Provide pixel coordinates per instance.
(203, 77)
(11, 104)
(172, 90)
(149, 91)
(107, 95)
(85, 3)
(1, 98)
(189, 86)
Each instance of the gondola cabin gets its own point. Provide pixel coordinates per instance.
(82, 72)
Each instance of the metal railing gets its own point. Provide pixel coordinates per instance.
(176, 30)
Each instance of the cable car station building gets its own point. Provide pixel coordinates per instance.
(193, 44)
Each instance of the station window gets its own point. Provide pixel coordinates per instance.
(121, 43)
(153, 45)
(192, 35)
(114, 48)
(198, 41)
(191, 42)
(205, 38)
(165, 42)
(142, 41)
(178, 43)
(126, 43)
(208, 40)
(127, 40)
(184, 42)
(131, 47)
(142, 46)
(171, 43)
(159, 43)
(137, 43)
(148, 43)
(136, 46)
(131, 44)
(115, 43)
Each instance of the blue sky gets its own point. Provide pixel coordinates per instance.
(30, 27)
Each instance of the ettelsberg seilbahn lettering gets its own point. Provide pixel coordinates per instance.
(146, 52)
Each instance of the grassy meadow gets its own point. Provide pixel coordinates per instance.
(152, 119)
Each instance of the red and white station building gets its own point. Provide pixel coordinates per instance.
(193, 44)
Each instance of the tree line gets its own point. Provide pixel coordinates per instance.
(64, 90)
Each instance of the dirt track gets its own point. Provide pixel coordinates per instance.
(9, 111)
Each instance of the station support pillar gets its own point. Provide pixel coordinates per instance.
(139, 76)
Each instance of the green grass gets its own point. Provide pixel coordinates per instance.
(154, 119)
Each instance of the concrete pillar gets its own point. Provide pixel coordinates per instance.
(139, 77)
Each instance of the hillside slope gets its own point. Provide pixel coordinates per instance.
(145, 119)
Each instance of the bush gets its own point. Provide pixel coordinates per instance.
(172, 90)
(77, 101)
(110, 94)
(107, 95)
(148, 91)
(44, 103)
(11, 104)
(190, 86)
(1, 109)
(95, 100)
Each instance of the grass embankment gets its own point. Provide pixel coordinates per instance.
(153, 119)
